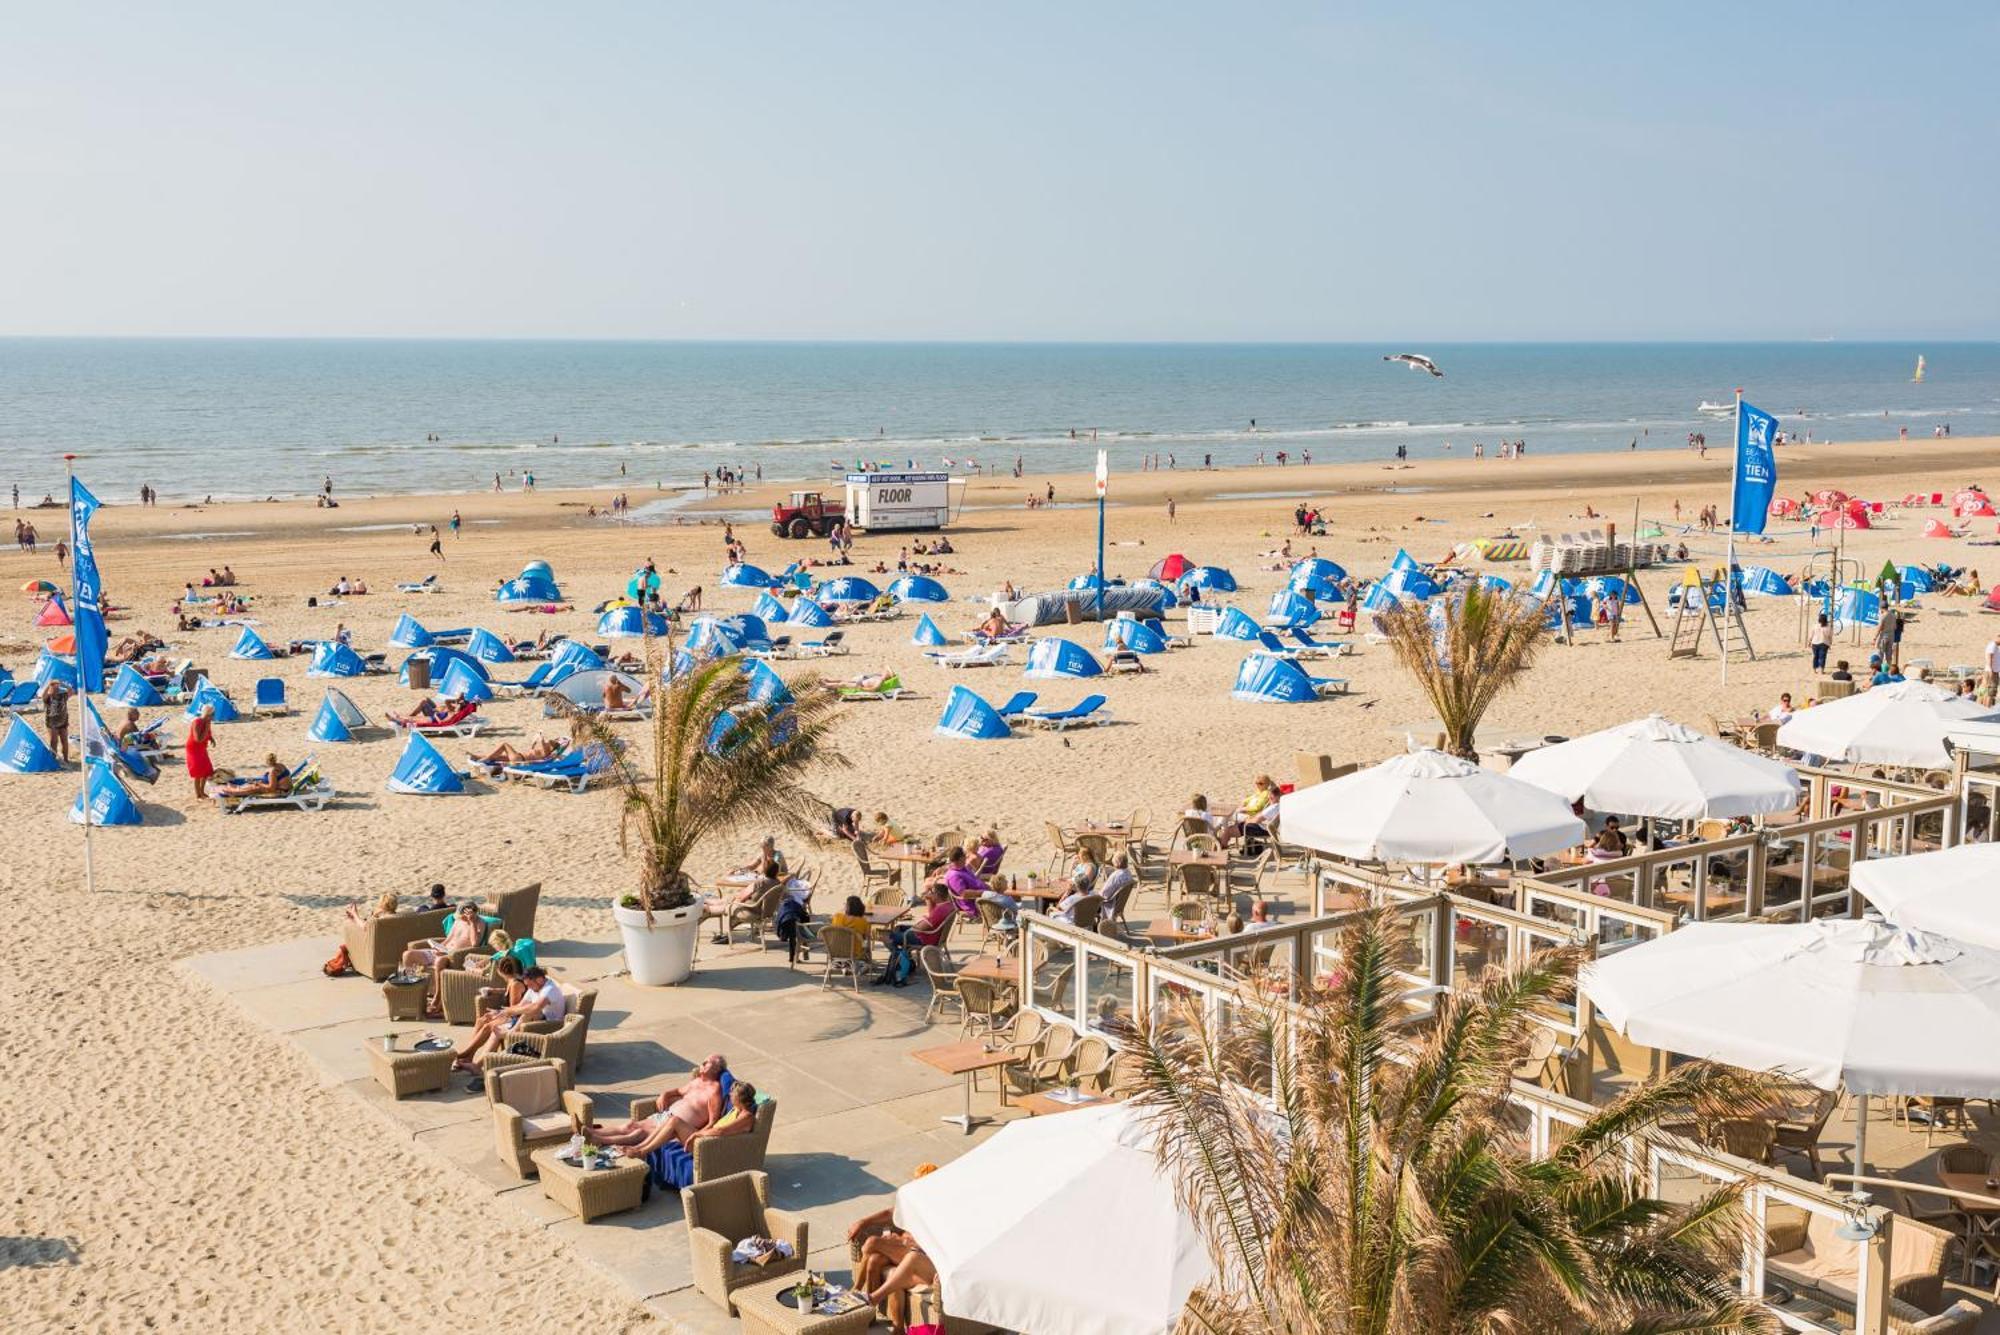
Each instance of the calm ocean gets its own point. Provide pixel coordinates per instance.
(249, 417)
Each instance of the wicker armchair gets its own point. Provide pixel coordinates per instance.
(564, 1038)
(516, 909)
(721, 1214)
(719, 1156)
(533, 1107)
(459, 989)
(757, 914)
(376, 945)
(944, 982)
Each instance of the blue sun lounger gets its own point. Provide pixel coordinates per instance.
(572, 769)
(1084, 713)
(1017, 704)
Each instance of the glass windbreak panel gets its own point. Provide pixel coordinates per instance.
(1247, 1040)
(1324, 959)
(1725, 882)
(1174, 1003)
(1412, 945)
(1055, 980)
(1926, 831)
(1559, 911)
(1786, 860)
(1533, 942)
(1615, 933)
(1107, 991)
(1476, 945)
(1620, 885)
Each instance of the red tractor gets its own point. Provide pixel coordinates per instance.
(806, 515)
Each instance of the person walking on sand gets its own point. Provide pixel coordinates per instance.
(201, 732)
(437, 544)
(1170, 509)
(496, 482)
(62, 554)
(455, 523)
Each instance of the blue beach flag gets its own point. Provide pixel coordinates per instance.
(86, 592)
(111, 802)
(22, 751)
(1756, 469)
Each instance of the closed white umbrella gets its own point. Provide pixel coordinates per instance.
(1874, 1008)
(1065, 1222)
(1901, 723)
(1654, 767)
(1954, 892)
(1429, 807)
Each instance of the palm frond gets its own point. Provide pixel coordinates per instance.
(1463, 662)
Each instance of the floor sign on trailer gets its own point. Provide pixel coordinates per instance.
(884, 502)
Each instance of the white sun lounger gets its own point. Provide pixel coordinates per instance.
(428, 584)
(1325, 686)
(989, 655)
(311, 796)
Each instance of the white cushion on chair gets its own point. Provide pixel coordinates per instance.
(546, 1124)
(530, 1090)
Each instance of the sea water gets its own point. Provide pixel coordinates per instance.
(276, 417)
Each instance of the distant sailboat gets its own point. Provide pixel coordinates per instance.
(1918, 378)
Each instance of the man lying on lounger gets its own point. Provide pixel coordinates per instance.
(867, 681)
(276, 782)
(680, 1113)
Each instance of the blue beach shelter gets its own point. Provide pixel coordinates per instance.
(22, 750)
(928, 633)
(1168, 598)
(707, 639)
(970, 718)
(336, 719)
(1141, 637)
(54, 667)
(126, 758)
(774, 612)
(131, 687)
(631, 623)
(918, 589)
(111, 802)
(1053, 656)
(1209, 579)
(528, 591)
(1404, 561)
(1603, 586)
(1089, 579)
(410, 633)
(572, 656)
(1579, 610)
(747, 577)
(487, 647)
(847, 589)
(423, 771)
(1917, 580)
(539, 570)
(1268, 680)
(747, 629)
(766, 686)
(1237, 624)
(442, 658)
(1315, 587)
(1292, 608)
(1857, 607)
(334, 659)
(462, 683)
(250, 645)
(207, 693)
(1316, 569)
(1764, 582)
(809, 614)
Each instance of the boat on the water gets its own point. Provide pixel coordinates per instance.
(1707, 407)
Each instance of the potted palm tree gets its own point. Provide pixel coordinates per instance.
(1464, 651)
(720, 761)
(1353, 1175)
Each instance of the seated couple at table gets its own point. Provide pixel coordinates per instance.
(542, 1001)
(696, 1109)
(906, 939)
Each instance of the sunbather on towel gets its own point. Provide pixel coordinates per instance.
(277, 779)
(680, 1112)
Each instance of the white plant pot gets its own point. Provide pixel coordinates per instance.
(661, 955)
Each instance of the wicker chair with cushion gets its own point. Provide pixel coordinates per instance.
(516, 909)
(533, 1106)
(719, 1156)
(564, 1038)
(1802, 1249)
(376, 945)
(721, 1214)
(1798, 1131)
(459, 990)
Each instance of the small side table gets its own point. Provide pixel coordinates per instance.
(769, 1309)
(406, 1000)
(590, 1192)
(404, 1072)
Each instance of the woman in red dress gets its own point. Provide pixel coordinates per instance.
(199, 734)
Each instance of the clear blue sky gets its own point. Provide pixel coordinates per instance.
(1013, 170)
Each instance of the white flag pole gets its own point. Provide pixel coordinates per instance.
(1729, 561)
(82, 687)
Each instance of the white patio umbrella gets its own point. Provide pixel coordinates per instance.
(1874, 1008)
(1064, 1222)
(1429, 807)
(1655, 767)
(1902, 723)
(1954, 892)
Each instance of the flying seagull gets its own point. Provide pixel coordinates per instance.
(1416, 362)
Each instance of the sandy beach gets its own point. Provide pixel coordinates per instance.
(169, 1167)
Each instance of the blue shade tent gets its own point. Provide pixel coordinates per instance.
(809, 614)
(766, 686)
(570, 656)
(125, 758)
(1236, 624)
(1089, 579)
(1053, 656)
(847, 589)
(337, 718)
(1268, 680)
(746, 577)
(1313, 586)
(110, 800)
(1404, 561)
(1495, 584)
(678, 666)
(707, 639)
(441, 660)
(334, 659)
(528, 591)
(487, 647)
(1764, 582)
(968, 717)
(1141, 637)
(928, 633)
(1857, 607)
(1209, 579)
(54, 667)
(747, 629)
(250, 645)
(423, 771)
(1168, 598)
(460, 682)
(918, 589)
(1603, 586)
(1917, 580)
(1410, 582)
(631, 623)
(1292, 608)
(22, 750)
(586, 689)
(410, 633)
(1579, 610)
(774, 612)
(131, 687)
(207, 693)
(1316, 569)
(539, 570)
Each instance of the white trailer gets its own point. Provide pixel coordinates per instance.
(886, 502)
